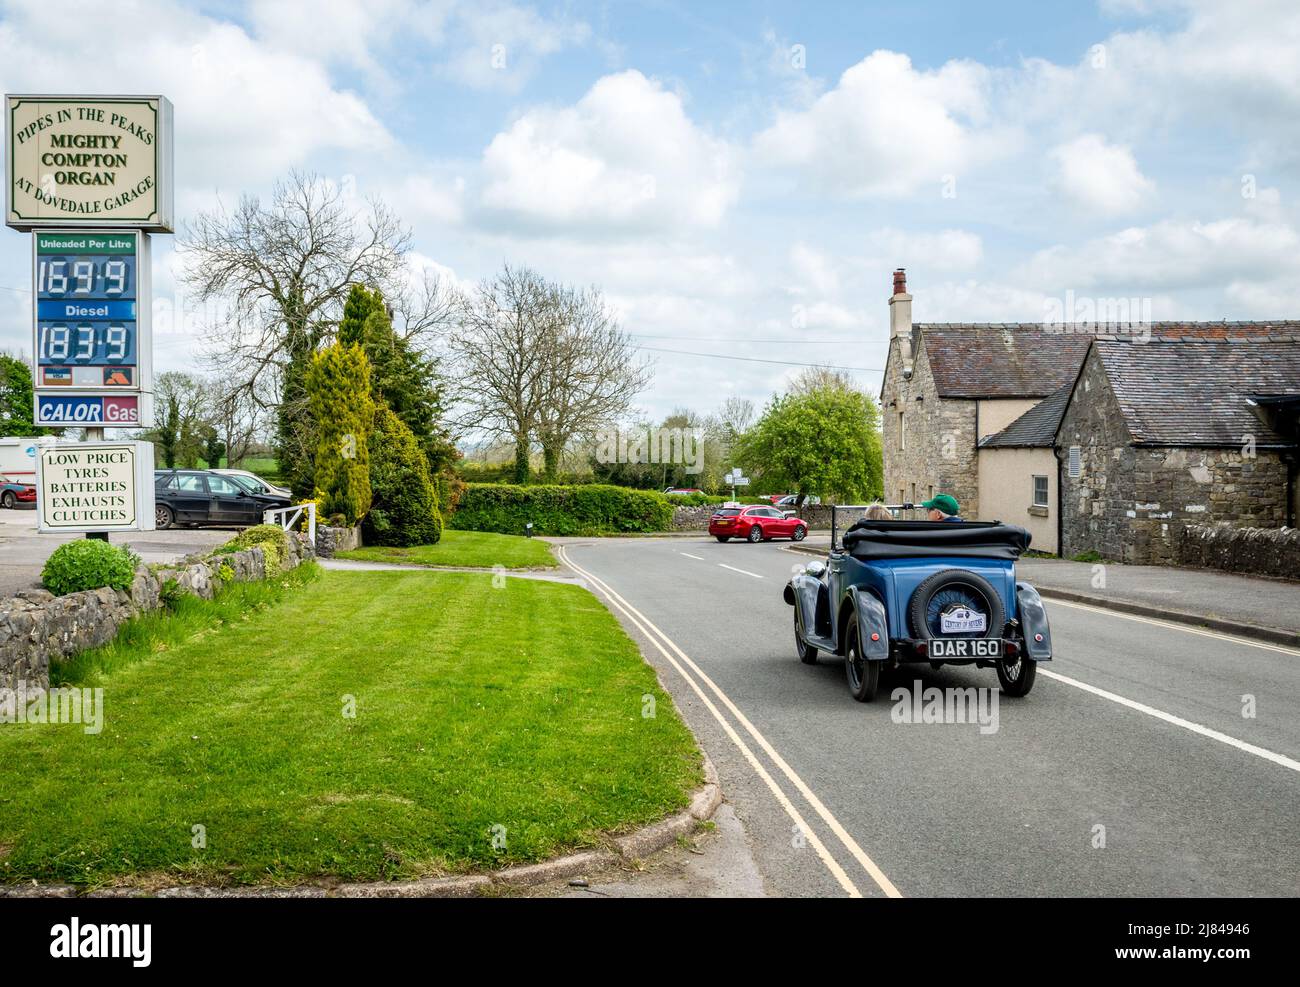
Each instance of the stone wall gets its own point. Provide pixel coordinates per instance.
(36, 625)
(940, 451)
(331, 541)
(1131, 503)
(693, 518)
(1254, 551)
(1095, 506)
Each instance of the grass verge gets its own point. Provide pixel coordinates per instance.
(465, 548)
(492, 726)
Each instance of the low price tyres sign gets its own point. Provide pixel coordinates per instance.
(95, 486)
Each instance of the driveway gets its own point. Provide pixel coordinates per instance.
(23, 551)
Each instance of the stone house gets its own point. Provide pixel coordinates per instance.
(946, 387)
(990, 413)
(1159, 435)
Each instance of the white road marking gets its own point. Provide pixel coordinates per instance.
(1177, 721)
(831, 863)
(697, 558)
(1175, 625)
(743, 572)
(645, 625)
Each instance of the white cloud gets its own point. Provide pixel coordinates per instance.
(887, 129)
(1099, 176)
(244, 113)
(1171, 255)
(500, 45)
(626, 156)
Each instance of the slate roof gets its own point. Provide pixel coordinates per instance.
(1195, 393)
(1036, 428)
(1033, 359)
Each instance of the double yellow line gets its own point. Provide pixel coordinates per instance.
(693, 675)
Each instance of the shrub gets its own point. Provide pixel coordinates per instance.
(261, 534)
(404, 504)
(695, 500)
(451, 488)
(88, 564)
(272, 557)
(338, 391)
(558, 510)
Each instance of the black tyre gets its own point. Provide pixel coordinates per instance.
(163, 517)
(755, 534)
(863, 676)
(806, 652)
(8, 499)
(723, 537)
(1017, 677)
(800, 533)
(955, 587)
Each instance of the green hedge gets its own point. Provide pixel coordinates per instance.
(589, 509)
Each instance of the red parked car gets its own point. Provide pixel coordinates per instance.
(755, 523)
(12, 494)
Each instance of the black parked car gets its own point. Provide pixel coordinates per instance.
(204, 497)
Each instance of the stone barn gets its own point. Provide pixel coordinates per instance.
(1162, 434)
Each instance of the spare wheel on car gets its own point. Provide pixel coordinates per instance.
(956, 603)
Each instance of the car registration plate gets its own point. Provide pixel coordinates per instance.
(977, 647)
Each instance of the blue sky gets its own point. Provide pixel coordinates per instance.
(736, 173)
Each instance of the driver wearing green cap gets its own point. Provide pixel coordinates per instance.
(943, 507)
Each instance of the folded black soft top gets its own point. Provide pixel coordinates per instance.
(867, 539)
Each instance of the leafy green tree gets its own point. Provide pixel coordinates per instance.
(169, 431)
(213, 447)
(404, 505)
(824, 441)
(360, 303)
(337, 386)
(408, 382)
(16, 404)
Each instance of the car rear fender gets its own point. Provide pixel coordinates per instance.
(1033, 621)
(873, 626)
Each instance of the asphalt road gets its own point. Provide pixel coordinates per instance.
(1136, 726)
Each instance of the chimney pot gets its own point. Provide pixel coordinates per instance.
(900, 281)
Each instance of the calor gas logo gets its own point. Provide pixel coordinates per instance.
(88, 410)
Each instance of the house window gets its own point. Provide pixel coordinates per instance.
(1040, 491)
(1075, 466)
(902, 435)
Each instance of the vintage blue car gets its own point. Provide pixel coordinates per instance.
(922, 591)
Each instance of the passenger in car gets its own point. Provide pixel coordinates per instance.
(943, 507)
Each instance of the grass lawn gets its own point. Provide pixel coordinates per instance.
(480, 712)
(264, 466)
(465, 548)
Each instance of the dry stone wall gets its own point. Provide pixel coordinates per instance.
(36, 625)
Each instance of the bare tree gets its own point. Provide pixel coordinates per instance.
(502, 328)
(734, 417)
(822, 379)
(590, 373)
(284, 269)
(238, 417)
(279, 273)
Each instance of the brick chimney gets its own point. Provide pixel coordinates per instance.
(900, 320)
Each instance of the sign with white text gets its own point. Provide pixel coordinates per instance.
(89, 161)
(90, 328)
(95, 486)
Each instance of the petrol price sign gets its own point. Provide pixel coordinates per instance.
(90, 331)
